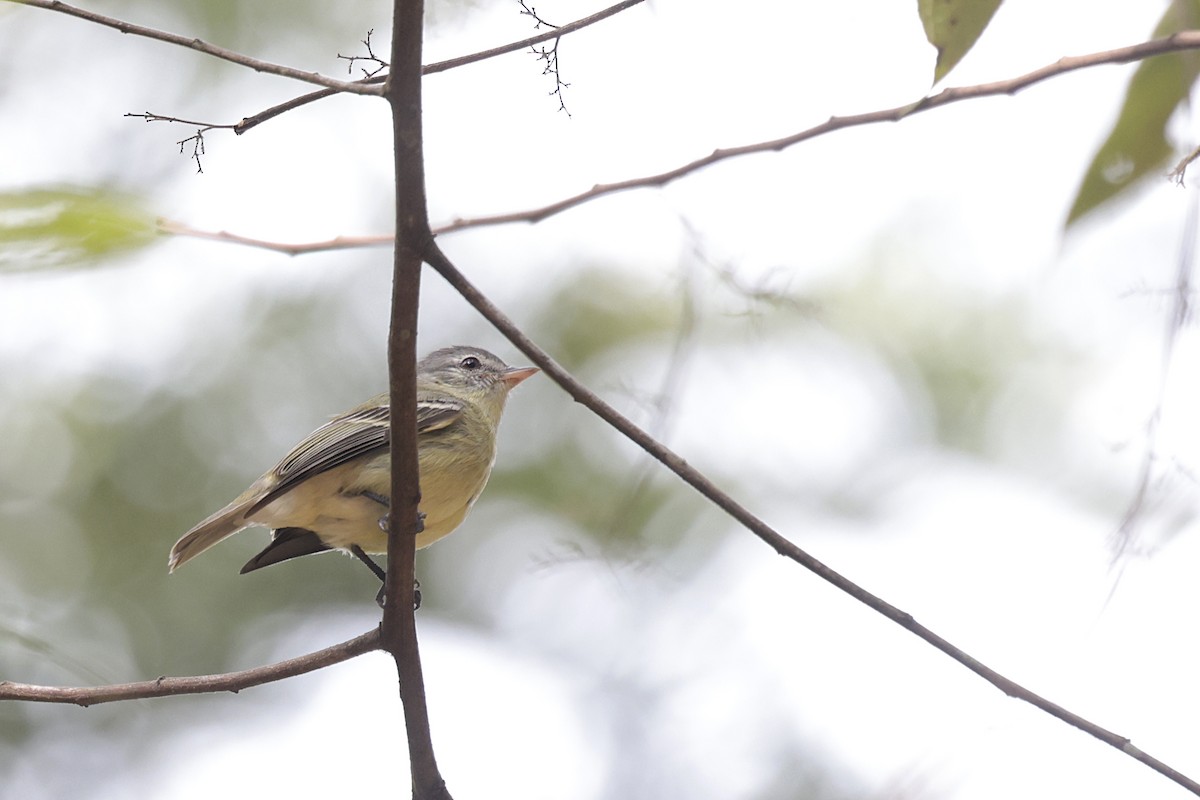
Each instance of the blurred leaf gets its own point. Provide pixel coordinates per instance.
(44, 228)
(617, 505)
(1137, 144)
(962, 353)
(598, 310)
(953, 26)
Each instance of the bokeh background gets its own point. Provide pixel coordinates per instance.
(882, 341)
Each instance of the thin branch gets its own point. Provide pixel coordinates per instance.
(442, 66)
(379, 63)
(697, 480)
(196, 139)
(556, 33)
(1185, 40)
(171, 227)
(198, 684)
(258, 65)
(548, 55)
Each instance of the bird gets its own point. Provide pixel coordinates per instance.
(332, 490)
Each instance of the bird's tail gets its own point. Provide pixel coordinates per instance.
(226, 522)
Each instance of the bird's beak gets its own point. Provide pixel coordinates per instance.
(514, 375)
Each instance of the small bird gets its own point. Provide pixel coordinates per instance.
(333, 489)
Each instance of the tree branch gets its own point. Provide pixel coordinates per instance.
(1187, 40)
(171, 227)
(199, 684)
(258, 65)
(698, 481)
(399, 628)
(556, 33)
(438, 66)
(441, 66)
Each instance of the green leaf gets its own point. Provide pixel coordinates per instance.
(953, 26)
(66, 226)
(1137, 145)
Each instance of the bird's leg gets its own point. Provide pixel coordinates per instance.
(363, 557)
(383, 521)
(358, 553)
(383, 501)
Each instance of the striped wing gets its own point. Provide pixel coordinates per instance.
(357, 433)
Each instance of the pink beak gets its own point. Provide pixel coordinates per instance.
(515, 375)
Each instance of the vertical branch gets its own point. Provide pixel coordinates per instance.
(399, 636)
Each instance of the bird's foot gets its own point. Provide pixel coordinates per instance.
(381, 598)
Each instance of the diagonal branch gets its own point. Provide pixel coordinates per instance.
(442, 66)
(198, 684)
(438, 66)
(1186, 40)
(258, 65)
(767, 534)
(512, 47)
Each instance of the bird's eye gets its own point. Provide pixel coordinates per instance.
(471, 362)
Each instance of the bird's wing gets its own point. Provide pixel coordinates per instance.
(352, 435)
(436, 411)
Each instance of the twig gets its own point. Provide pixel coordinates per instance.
(548, 55)
(199, 684)
(196, 139)
(443, 66)
(512, 47)
(694, 478)
(380, 64)
(174, 228)
(256, 64)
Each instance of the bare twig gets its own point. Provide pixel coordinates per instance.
(197, 142)
(199, 684)
(443, 66)
(256, 64)
(512, 47)
(770, 536)
(379, 63)
(196, 139)
(174, 228)
(548, 55)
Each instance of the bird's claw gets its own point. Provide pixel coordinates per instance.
(381, 598)
(383, 522)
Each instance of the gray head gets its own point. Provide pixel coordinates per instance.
(471, 368)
